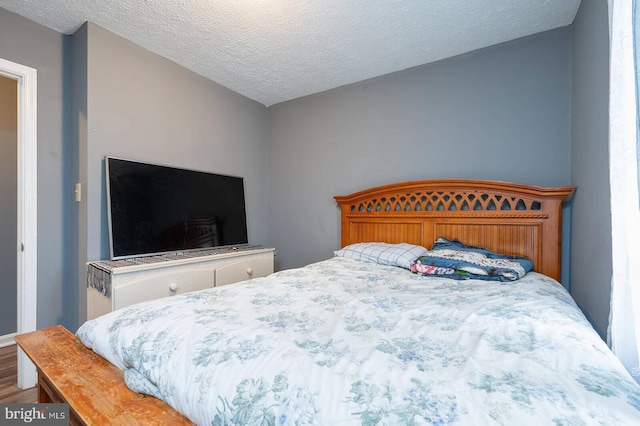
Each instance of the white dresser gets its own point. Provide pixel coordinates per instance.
(118, 283)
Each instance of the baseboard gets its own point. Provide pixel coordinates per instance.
(7, 340)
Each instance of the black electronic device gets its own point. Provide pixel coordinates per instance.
(155, 209)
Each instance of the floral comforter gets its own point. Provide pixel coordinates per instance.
(341, 342)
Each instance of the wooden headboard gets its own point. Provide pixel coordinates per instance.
(509, 218)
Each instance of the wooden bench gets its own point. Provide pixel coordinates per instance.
(94, 389)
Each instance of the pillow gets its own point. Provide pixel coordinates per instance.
(402, 255)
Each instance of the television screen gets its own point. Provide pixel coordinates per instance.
(155, 209)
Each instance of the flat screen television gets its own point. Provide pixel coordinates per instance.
(155, 209)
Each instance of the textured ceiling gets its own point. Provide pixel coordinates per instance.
(276, 50)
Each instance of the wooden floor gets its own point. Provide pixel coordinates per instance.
(9, 391)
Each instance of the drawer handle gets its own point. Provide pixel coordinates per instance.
(173, 286)
(250, 271)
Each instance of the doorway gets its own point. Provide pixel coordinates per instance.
(26, 247)
(8, 209)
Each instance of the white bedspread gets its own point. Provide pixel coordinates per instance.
(343, 342)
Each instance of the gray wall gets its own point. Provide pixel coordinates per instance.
(8, 204)
(134, 104)
(141, 106)
(499, 113)
(76, 214)
(35, 46)
(591, 218)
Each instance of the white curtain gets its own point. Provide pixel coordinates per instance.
(624, 324)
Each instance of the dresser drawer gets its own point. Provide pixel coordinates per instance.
(116, 284)
(244, 269)
(157, 285)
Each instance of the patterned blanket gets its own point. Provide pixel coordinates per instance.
(460, 261)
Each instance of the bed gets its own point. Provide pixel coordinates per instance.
(360, 339)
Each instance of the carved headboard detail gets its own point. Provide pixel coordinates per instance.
(510, 218)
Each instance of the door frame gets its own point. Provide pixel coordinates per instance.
(27, 238)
